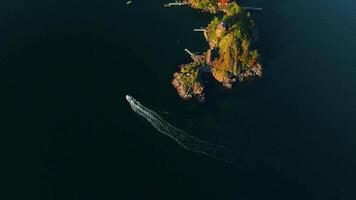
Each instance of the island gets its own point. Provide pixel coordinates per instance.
(232, 55)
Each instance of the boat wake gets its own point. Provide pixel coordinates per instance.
(187, 141)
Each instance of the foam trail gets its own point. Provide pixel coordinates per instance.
(187, 141)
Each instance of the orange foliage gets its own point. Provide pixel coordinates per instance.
(224, 2)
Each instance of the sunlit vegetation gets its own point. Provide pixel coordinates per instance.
(232, 55)
(207, 5)
(233, 35)
(188, 81)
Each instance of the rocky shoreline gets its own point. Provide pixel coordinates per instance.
(232, 55)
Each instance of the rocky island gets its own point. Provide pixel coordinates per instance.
(232, 55)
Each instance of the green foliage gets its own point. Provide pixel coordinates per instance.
(208, 5)
(233, 36)
(233, 9)
(255, 55)
(190, 73)
(212, 33)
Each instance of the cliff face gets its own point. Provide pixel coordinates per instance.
(233, 35)
(232, 55)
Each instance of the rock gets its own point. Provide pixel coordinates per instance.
(188, 83)
(232, 54)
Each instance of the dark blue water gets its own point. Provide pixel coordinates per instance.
(67, 65)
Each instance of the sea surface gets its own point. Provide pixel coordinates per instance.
(66, 67)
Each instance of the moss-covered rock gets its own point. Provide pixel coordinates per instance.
(188, 81)
(234, 37)
(232, 54)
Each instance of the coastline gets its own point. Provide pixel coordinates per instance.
(232, 55)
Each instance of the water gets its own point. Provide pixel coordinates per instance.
(66, 67)
(187, 141)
